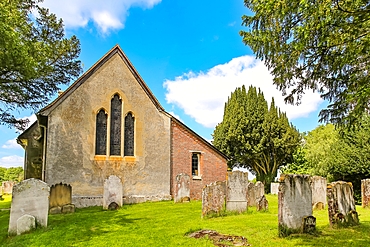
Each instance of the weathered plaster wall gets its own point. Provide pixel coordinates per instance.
(71, 155)
(213, 166)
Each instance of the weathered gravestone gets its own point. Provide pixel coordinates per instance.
(236, 192)
(251, 195)
(260, 190)
(182, 188)
(214, 198)
(295, 203)
(262, 204)
(318, 187)
(60, 200)
(112, 197)
(7, 187)
(29, 197)
(365, 192)
(274, 188)
(25, 224)
(341, 204)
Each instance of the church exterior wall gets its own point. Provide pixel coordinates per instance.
(213, 166)
(71, 158)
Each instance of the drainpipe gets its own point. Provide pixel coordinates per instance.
(43, 154)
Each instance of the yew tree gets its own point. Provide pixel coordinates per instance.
(254, 135)
(322, 45)
(35, 58)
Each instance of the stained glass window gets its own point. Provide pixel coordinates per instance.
(101, 133)
(115, 125)
(129, 135)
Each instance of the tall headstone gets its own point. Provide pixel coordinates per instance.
(260, 190)
(341, 204)
(365, 193)
(182, 190)
(295, 203)
(274, 188)
(112, 197)
(236, 194)
(60, 200)
(7, 187)
(30, 197)
(214, 198)
(318, 187)
(251, 195)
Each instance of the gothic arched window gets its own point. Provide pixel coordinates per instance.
(115, 125)
(101, 133)
(129, 134)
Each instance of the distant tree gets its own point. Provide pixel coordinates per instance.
(35, 58)
(15, 174)
(2, 172)
(254, 136)
(323, 46)
(299, 164)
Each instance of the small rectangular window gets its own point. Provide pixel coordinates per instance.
(195, 167)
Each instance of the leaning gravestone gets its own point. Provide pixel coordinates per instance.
(262, 204)
(182, 188)
(60, 200)
(236, 194)
(25, 224)
(251, 195)
(7, 187)
(29, 197)
(295, 203)
(112, 197)
(274, 188)
(318, 187)
(214, 198)
(365, 192)
(341, 204)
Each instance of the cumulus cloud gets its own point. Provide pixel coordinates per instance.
(31, 119)
(11, 161)
(106, 15)
(11, 144)
(202, 95)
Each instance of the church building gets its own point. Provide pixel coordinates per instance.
(108, 122)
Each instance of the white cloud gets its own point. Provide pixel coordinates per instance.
(31, 119)
(175, 115)
(203, 95)
(11, 144)
(106, 15)
(11, 161)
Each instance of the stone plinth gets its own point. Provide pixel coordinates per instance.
(214, 198)
(236, 194)
(365, 192)
(318, 187)
(182, 190)
(295, 202)
(112, 192)
(30, 197)
(60, 196)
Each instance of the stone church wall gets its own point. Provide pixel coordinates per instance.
(71, 158)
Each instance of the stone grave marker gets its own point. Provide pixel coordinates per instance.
(112, 197)
(365, 193)
(251, 195)
(30, 197)
(60, 198)
(262, 204)
(260, 190)
(7, 187)
(294, 202)
(214, 198)
(274, 187)
(182, 188)
(25, 223)
(318, 187)
(341, 204)
(236, 194)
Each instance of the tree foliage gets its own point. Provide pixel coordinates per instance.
(35, 57)
(323, 46)
(255, 136)
(11, 174)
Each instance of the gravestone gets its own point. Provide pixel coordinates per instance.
(236, 194)
(182, 190)
(262, 204)
(25, 224)
(60, 197)
(7, 187)
(112, 192)
(274, 188)
(30, 197)
(309, 224)
(251, 195)
(260, 190)
(318, 187)
(365, 192)
(295, 203)
(214, 198)
(341, 204)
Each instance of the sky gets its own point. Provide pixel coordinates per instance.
(189, 53)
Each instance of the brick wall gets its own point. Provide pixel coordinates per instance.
(213, 165)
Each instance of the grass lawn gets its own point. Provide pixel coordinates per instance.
(167, 224)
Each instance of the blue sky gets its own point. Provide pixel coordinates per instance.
(189, 53)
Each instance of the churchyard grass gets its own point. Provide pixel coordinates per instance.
(5, 202)
(167, 224)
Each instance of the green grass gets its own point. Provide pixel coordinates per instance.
(166, 224)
